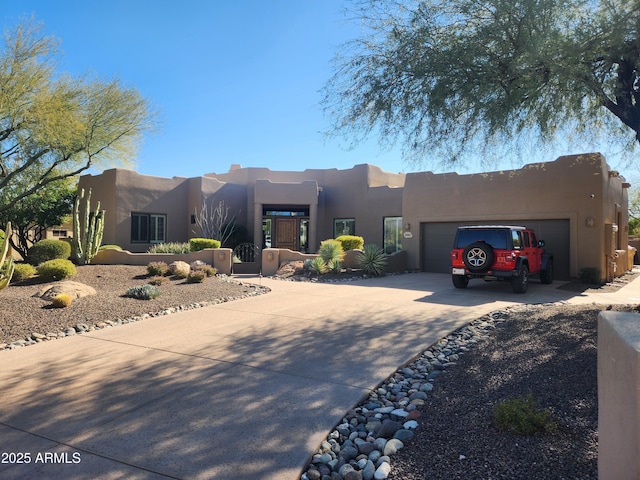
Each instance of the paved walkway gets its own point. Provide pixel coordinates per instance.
(242, 390)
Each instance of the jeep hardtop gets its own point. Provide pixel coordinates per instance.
(499, 252)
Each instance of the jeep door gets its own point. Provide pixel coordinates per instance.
(532, 251)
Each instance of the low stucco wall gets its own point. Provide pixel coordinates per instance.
(220, 258)
(618, 396)
(273, 258)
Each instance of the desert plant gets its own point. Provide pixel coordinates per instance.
(6, 259)
(157, 281)
(522, 416)
(170, 247)
(196, 276)
(331, 250)
(46, 250)
(157, 268)
(208, 270)
(197, 244)
(114, 247)
(334, 266)
(22, 271)
(372, 260)
(318, 266)
(58, 269)
(87, 234)
(62, 300)
(143, 292)
(351, 242)
(591, 275)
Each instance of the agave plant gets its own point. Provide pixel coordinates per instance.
(334, 266)
(372, 260)
(6, 259)
(318, 266)
(331, 250)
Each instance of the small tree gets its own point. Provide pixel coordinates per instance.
(214, 221)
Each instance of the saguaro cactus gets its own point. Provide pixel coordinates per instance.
(6, 259)
(87, 234)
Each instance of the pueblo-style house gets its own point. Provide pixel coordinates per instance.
(576, 203)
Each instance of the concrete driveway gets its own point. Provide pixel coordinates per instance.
(241, 390)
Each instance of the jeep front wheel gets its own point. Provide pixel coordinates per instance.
(520, 282)
(478, 257)
(546, 276)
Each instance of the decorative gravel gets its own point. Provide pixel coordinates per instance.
(25, 319)
(432, 419)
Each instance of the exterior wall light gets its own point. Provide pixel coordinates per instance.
(270, 256)
(407, 227)
(221, 255)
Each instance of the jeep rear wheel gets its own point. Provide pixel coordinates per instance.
(520, 282)
(478, 257)
(460, 281)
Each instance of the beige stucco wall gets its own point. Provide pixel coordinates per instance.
(618, 396)
(578, 188)
(363, 192)
(575, 187)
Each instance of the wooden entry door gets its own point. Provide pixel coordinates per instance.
(286, 233)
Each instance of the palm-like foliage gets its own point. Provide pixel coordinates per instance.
(372, 260)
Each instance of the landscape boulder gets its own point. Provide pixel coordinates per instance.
(74, 289)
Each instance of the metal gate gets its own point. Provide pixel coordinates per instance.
(247, 258)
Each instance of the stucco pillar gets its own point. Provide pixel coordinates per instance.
(257, 224)
(313, 227)
(618, 396)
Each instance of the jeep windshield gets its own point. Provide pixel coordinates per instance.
(495, 238)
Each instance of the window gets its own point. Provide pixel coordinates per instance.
(517, 239)
(148, 228)
(344, 226)
(59, 233)
(392, 240)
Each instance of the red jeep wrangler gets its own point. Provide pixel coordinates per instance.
(499, 253)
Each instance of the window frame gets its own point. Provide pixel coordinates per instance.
(351, 231)
(151, 230)
(399, 231)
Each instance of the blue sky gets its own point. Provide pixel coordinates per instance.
(234, 81)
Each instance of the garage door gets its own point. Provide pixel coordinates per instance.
(437, 239)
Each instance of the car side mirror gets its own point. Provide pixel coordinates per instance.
(540, 243)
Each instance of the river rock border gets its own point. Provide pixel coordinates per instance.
(80, 328)
(361, 446)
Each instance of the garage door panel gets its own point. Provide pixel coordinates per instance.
(437, 239)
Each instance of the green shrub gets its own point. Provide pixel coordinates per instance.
(53, 270)
(158, 280)
(372, 260)
(331, 250)
(591, 275)
(171, 247)
(522, 416)
(318, 266)
(157, 268)
(351, 242)
(46, 250)
(62, 300)
(197, 244)
(115, 247)
(208, 270)
(143, 292)
(197, 276)
(23, 271)
(334, 266)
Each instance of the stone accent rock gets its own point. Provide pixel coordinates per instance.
(74, 289)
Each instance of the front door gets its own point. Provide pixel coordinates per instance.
(287, 233)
